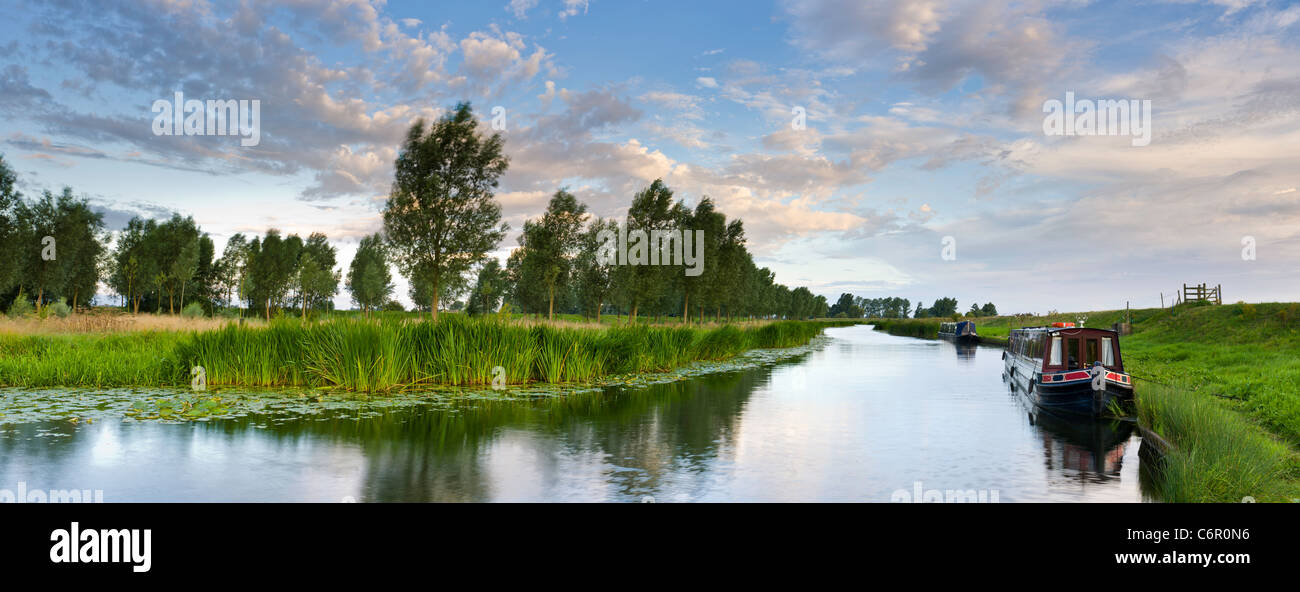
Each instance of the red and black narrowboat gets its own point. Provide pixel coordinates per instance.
(1067, 368)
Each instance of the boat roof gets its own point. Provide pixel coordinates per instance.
(1067, 330)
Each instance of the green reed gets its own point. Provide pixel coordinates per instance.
(381, 354)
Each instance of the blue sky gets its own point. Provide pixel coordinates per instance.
(924, 121)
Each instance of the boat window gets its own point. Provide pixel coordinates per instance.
(1093, 351)
(1107, 352)
(1038, 345)
(1072, 353)
(1056, 351)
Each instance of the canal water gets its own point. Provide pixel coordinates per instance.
(867, 417)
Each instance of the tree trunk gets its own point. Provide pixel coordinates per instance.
(74, 300)
(632, 318)
(433, 307)
(686, 309)
(40, 295)
(550, 309)
(599, 305)
(268, 310)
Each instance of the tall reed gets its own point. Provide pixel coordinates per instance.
(380, 354)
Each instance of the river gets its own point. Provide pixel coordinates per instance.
(866, 417)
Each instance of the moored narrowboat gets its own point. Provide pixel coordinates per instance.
(962, 332)
(1067, 368)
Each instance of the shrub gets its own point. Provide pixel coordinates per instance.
(60, 309)
(192, 310)
(1246, 311)
(21, 307)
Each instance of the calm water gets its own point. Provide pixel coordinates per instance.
(868, 417)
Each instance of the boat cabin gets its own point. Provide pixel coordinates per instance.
(1065, 349)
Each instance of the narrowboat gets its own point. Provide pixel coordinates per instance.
(1069, 369)
(963, 332)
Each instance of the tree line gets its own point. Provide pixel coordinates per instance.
(440, 224)
(850, 306)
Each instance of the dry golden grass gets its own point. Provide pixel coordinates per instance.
(110, 322)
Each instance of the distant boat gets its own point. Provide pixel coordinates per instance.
(963, 332)
(1064, 368)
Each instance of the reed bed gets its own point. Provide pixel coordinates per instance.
(381, 354)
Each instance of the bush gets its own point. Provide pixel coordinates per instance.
(393, 306)
(1246, 311)
(21, 307)
(60, 308)
(192, 310)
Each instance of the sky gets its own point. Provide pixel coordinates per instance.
(877, 147)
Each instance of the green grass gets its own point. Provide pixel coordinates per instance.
(1217, 455)
(1221, 382)
(381, 354)
(96, 360)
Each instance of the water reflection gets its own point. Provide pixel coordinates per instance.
(864, 417)
(1091, 450)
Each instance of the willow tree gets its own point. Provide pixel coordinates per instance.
(441, 218)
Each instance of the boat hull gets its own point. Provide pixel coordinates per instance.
(963, 339)
(1077, 397)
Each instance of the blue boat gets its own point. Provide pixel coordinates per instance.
(963, 332)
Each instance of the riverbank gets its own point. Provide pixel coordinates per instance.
(1221, 383)
(379, 355)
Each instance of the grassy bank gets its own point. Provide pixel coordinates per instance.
(1222, 383)
(378, 355)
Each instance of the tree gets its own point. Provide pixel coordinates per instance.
(174, 246)
(708, 220)
(441, 218)
(525, 291)
(638, 282)
(989, 310)
(846, 305)
(230, 269)
(132, 263)
(944, 307)
(272, 264)
(488, 288)
(595, 275)
(550, 243)
(10, 199)
(88, 258)
(974, 310)
(369, 280)
(318, 281)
